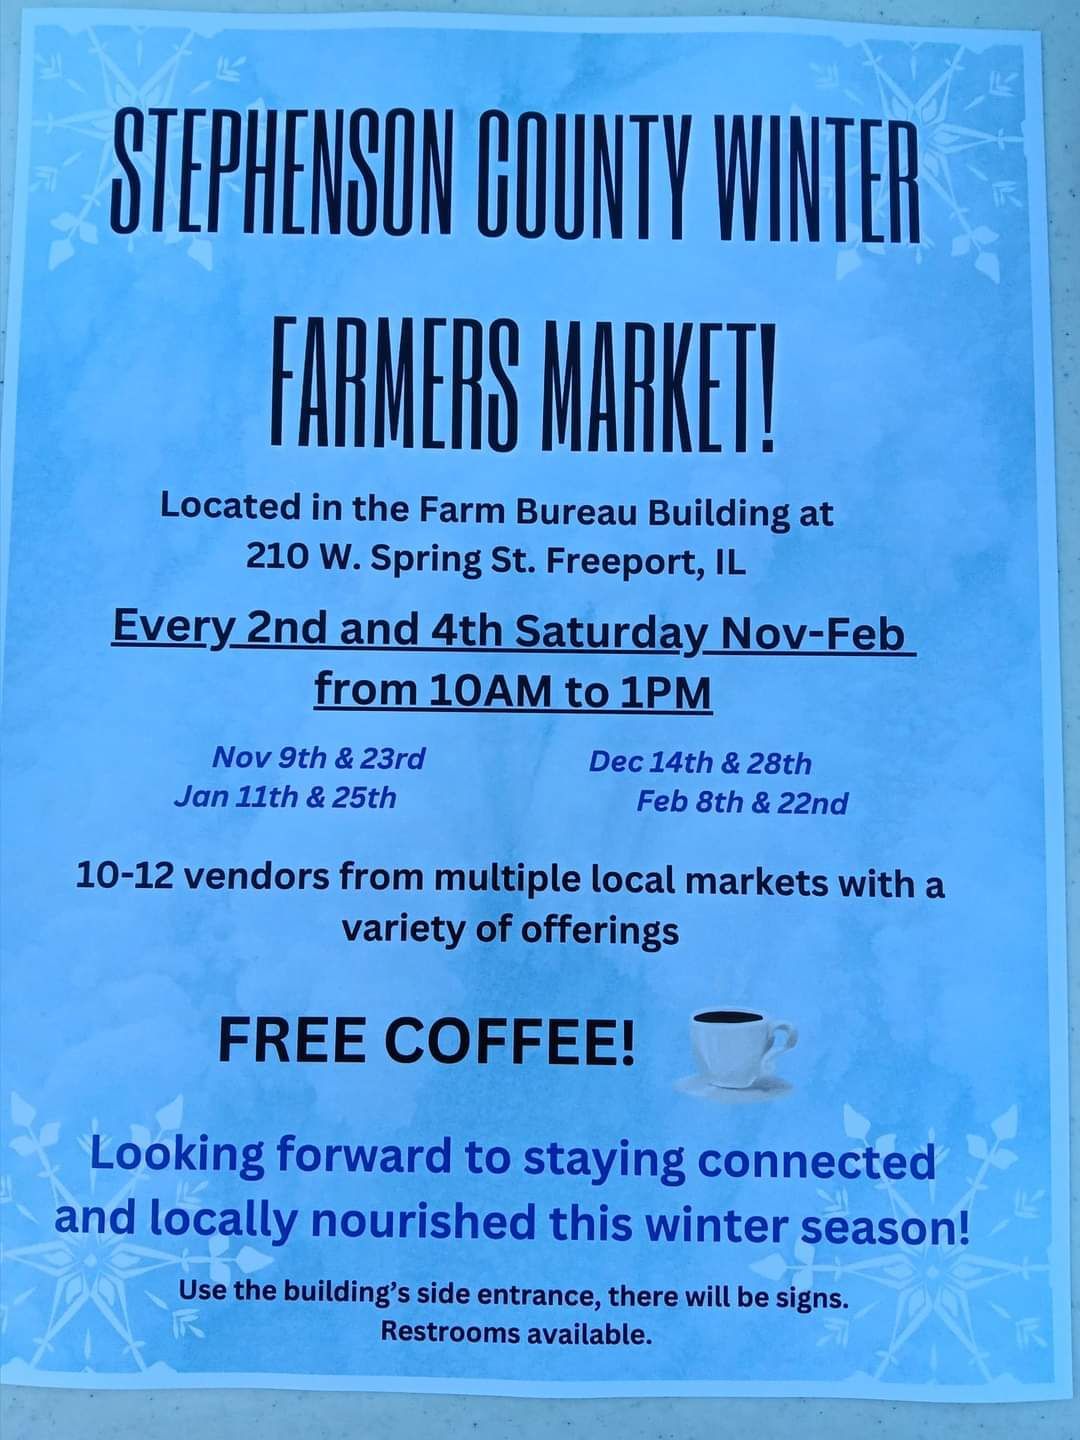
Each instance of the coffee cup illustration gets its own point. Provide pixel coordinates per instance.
(735, 1049)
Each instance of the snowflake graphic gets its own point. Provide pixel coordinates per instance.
(941, 97)
(94, 1280)
(931, 1292)
(136, 68)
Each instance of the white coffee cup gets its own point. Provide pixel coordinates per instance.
(734, 1048)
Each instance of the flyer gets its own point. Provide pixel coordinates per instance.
(532, 831)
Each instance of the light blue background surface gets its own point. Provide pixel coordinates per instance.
(825, 1081)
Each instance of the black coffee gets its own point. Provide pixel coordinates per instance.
(727, 1017)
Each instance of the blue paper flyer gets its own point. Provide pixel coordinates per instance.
(532, 833)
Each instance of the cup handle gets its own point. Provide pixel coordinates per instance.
(775, 1049)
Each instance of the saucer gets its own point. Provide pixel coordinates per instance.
(765, 1087)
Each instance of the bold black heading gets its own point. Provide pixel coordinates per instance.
(577, 176)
